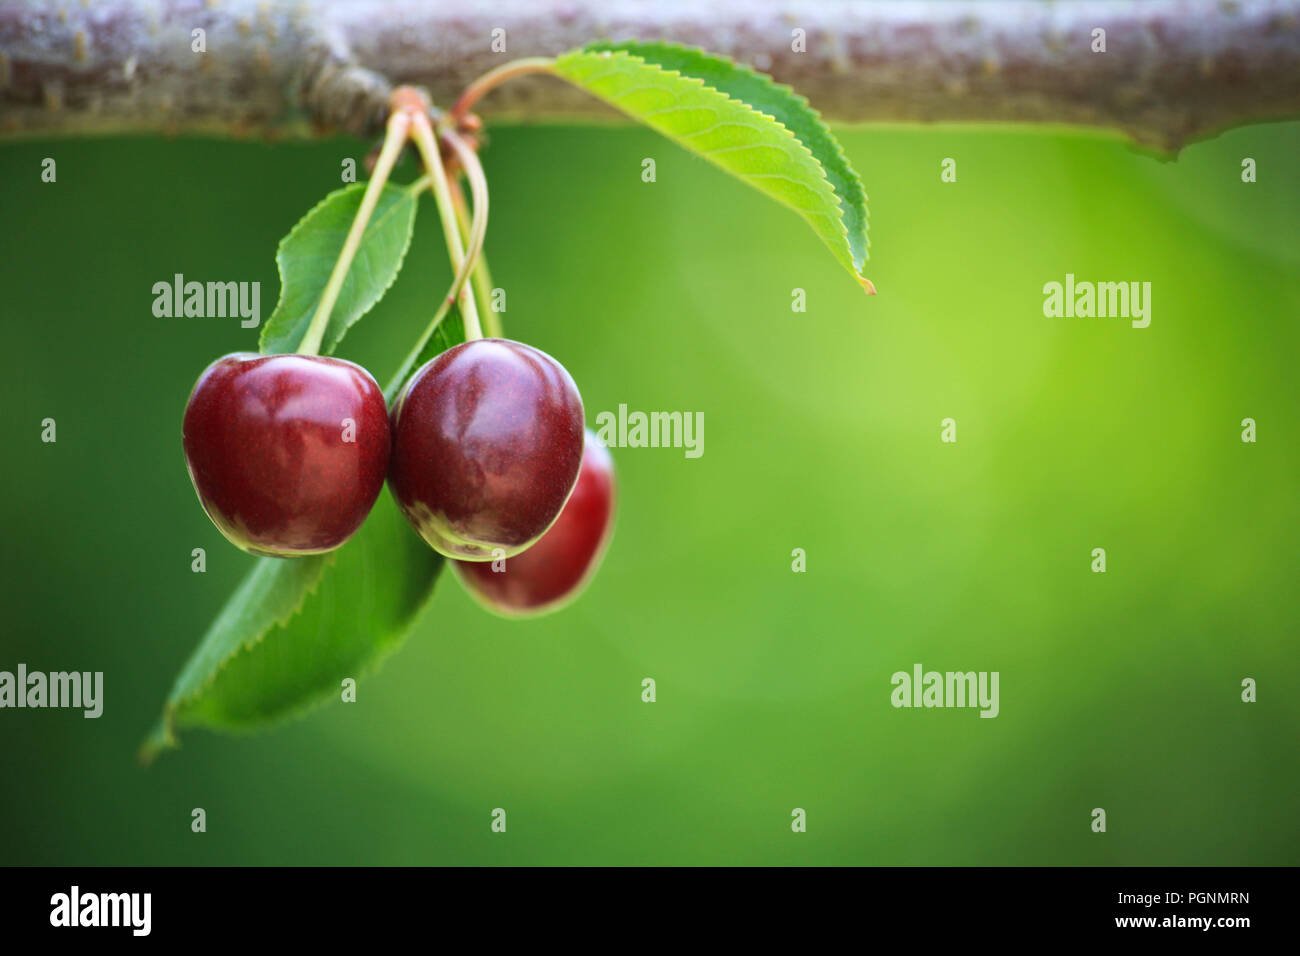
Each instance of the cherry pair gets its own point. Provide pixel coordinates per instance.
(484, 451)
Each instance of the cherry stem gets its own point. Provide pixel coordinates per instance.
(474, 233)
(408, 363)
(482, 277)
(494, 78)
(394, 139)
(426, 142)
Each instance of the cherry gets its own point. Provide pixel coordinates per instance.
(487, 442)
(554, 570)
(287, 452)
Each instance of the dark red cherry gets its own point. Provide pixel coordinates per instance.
(554, 570)
(286, 452)
(487, 442)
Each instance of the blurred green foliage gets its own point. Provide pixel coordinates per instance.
(1119, 690)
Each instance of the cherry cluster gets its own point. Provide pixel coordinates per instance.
(484, 449)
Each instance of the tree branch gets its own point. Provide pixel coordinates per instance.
(1173, 70)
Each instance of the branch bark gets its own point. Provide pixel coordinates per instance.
(1173, 70)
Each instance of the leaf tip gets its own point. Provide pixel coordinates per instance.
(160, 739)
(868, 286)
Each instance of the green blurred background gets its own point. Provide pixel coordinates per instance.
(1119, 691)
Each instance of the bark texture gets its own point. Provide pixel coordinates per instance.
(1172, 70)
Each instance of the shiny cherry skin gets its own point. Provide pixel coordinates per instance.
(555, 570)
(287, 452)
(487, 442)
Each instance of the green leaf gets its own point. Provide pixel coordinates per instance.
(740, 120)
(297, 627)
(308, 253)
(450, 331)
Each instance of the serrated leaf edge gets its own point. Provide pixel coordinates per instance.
(165, 732)
(329, 346)
(783, 88)
(866, 283)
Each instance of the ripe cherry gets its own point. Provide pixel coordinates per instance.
(554, 570)
(287, 452)
(487, 442)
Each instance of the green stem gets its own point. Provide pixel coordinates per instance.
(427, 144)
(394, 139)
(476, 233)
(482, 277)
(408, 364)
(494, 78)
(471, 232)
